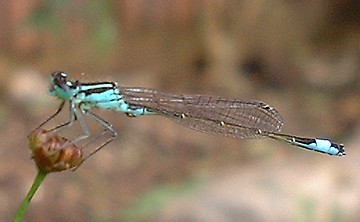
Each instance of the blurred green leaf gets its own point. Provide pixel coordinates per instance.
(151, 202)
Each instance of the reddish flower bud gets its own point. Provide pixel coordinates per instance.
(53, 153)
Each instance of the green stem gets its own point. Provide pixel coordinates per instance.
(24, 205)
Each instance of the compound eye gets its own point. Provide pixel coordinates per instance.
(60, 79)
(59, 76)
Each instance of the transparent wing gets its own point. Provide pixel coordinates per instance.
(209, 114)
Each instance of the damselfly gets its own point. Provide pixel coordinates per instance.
(207, 114)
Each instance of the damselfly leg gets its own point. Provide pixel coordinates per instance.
(76, 114)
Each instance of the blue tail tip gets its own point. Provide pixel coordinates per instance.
(341, 149)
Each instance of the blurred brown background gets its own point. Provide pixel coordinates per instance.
(302, 57)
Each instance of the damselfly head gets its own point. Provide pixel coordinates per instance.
(60, 86)
(59, 79)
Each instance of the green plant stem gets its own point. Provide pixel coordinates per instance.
(24, 205)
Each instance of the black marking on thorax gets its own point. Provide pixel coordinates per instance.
(98, 89)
